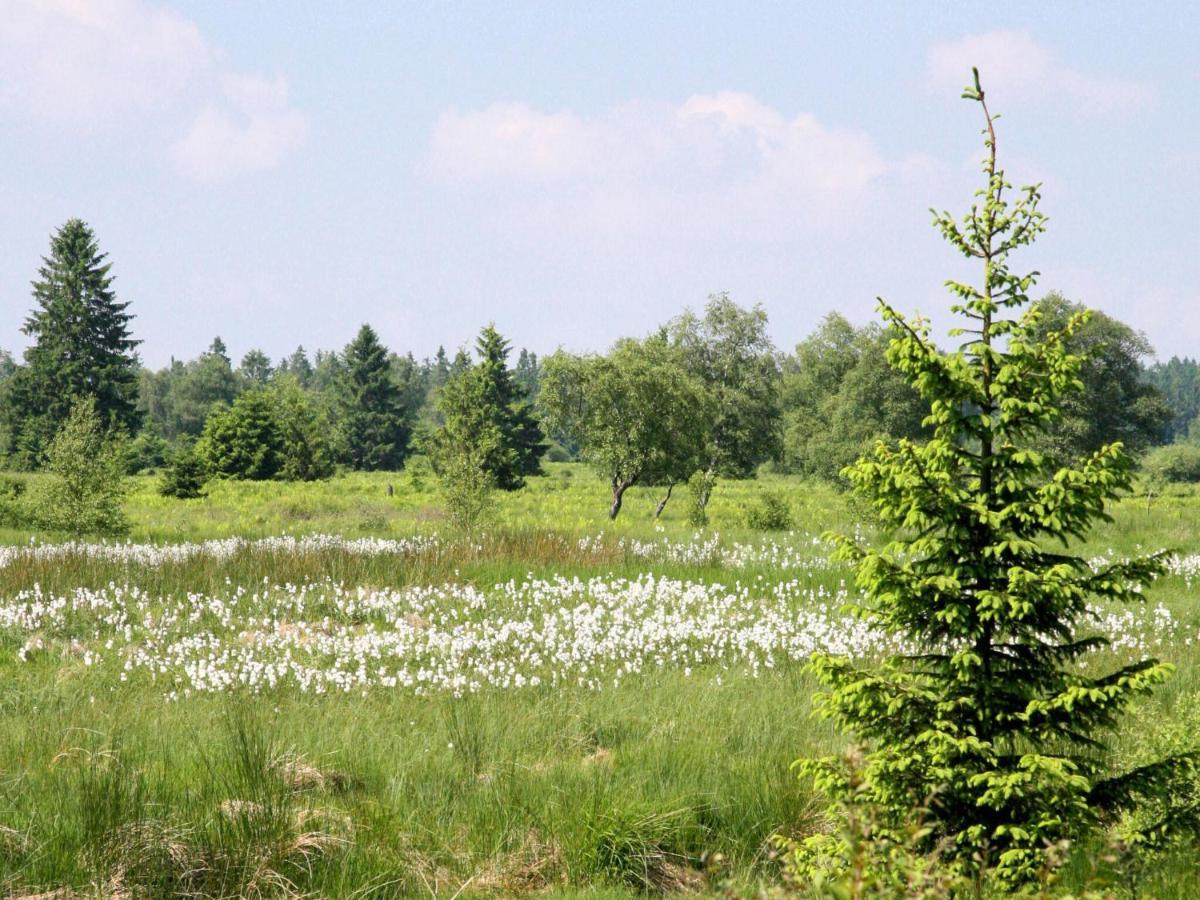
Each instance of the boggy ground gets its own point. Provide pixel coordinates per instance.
(562, 705)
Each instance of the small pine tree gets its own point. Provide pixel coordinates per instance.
(522, 443)
(185, 475)
(85, 488)
(989, 719)
(376, 424)
(306, 445)
(244, 440)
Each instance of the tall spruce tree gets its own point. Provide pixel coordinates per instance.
(374, 417)
(522, 443)
(81, 346)
(990, 717)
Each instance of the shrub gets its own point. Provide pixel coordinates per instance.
(1176, 464)
(86, 486)
(243, 440)
(146, 451)
(699, 490)
(185, 476)
(771, 513)
(12, 511)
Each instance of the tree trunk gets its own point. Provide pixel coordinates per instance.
(663, 502)
(619, 488)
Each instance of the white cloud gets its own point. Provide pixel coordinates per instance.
(1012, 63)
(92, 67)
(722, 161)
(254, 132)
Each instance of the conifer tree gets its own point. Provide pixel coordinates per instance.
(81, 345)
(374, 416)
(988, 716)
(522, 445)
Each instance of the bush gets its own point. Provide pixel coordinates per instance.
(146, 451)
(770, 514)
(244, 440)
(12, 512)
(1176, 464)
(699, 489)
(86, 487)
(185, 476)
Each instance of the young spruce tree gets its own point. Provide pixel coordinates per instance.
(988, 717)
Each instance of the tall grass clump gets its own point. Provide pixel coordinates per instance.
(991, 720)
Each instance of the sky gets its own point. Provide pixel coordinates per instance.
(278, 173)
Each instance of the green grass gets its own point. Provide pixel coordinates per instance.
(670, 781)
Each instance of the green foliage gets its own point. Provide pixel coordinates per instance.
(1176, 464)
(730, 351)
(840, 396)
(987, 716)
(374, 418)
(465, 449)
(81, 347)
(1178, 380)
(770, 513)
(700, 485)
(521, 446)
(12, 508)
(243, 440)
(86, 488)
(185, 475)
(637, 414)
(305, 431)
(1116, 403)
(178, 399)
(146, 451)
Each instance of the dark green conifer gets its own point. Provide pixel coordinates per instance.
(81, 345)
(374, 416)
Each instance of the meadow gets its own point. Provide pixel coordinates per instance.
(317, 689)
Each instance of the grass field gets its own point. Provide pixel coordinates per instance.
(226, 707)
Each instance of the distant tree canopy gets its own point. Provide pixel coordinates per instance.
(840, 395)
(729, 350)
(812, 412)
(638, 414)
(82, 347)
(483, 402)
(1178, 380)
(1117, 403)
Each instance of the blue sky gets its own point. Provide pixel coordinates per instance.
(279, 173)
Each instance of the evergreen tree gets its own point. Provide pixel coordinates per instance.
(439, 369)
(256, 368)
(244, 440)
(81, 345)
(374, 418)
(526, 374)
(307, 451)
(990, 717)
(522, 442)
(298, 365)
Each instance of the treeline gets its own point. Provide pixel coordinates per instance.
(706, 396)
